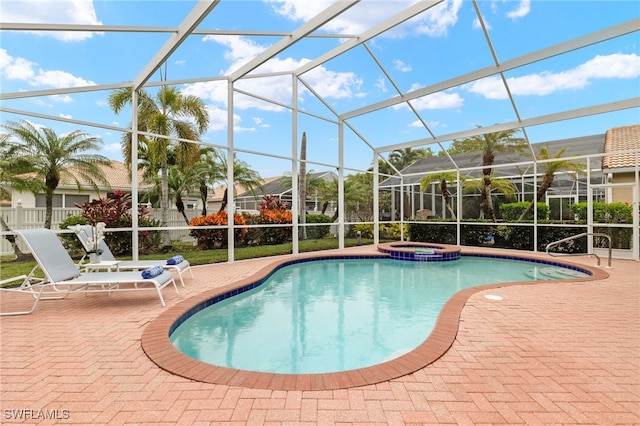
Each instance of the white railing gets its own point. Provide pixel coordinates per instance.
(29, 218)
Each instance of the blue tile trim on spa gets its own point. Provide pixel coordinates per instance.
(404, 256)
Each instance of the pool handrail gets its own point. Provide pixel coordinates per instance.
(574, 237)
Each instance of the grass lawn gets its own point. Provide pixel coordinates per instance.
(10, 268)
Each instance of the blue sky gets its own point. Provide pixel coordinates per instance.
(439, 44)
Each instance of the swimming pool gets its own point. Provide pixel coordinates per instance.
(339, 314)
(157, 345)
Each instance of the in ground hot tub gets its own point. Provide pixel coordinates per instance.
(421, 252)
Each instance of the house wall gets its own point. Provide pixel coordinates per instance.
(28, 199)
(623, 195)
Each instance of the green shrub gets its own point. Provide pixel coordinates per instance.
(604, 212)
(432, 232)
(214, 238)
(318, 232)
(115, 212)
(511, 212)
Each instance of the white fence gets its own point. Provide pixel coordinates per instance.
(28, 218)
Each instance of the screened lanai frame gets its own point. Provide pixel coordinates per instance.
(344, 121)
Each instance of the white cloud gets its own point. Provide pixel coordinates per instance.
(240, 50)
(22, 69)
(439, 100)
(600, 67)
(334, 85)
(260, 122)
(437, 20)
(112, 147)
(523, 9)
(434, 22)
(401, 66)
(180, 62)
(67, 116)
(53, 12)
(63, 99)
(380, 84)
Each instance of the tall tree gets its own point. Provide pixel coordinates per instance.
(53, 158)
(505, 187)
(176, 118)
(243, 175)
(209, 172)
(354, 192)
(489, 145)
(558, 164)
(443, 178)
(13, 173)
(402, 158)
(181, 184)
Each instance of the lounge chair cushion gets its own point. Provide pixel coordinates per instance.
(154, 271)
(175, 260)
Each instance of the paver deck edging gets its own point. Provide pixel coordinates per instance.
(157, 346)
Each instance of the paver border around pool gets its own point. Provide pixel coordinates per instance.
(157, 346)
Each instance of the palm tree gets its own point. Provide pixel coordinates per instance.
(54, 157)
(180, 185)
(13, 173)
(170, 114)
(402, 158)
(353, 194)
(489, 145)
(550, 169)
(443, 178)
(208, 171)
(505, 187)
(243, 175)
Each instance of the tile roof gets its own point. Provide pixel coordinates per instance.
(117, 175)
(621, 139)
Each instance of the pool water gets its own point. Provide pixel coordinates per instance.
(339, 314)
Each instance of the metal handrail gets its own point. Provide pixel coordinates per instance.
(574, 237)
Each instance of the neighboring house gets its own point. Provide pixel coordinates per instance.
(67, 195)
(215, 196)
(620, 169)
(281, 188)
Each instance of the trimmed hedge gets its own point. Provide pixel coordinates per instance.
(511, 212)
(318, 232)
(506, 236)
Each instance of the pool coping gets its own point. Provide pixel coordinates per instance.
(157, 346)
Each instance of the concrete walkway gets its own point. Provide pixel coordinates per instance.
(552, 353)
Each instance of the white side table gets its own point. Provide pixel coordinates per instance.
(109, 265)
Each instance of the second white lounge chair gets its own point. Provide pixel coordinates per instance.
(63, 276)
(108, 256)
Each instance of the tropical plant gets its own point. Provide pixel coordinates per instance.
(172, 119)
(115, 212)
(489, 145)
(443, 178)
(53, 158)
(503, 186)
(243, 175)
(556, 165)
(208, 171)
(13, 169)
(181, 184)
(216, 237)
(403, 158)
(354, 193)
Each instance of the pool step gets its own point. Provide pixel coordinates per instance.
(551, 273)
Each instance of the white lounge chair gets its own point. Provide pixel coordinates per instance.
(63, 276)
(29, 285)
(107, 256)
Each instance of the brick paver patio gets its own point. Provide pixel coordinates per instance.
(550, 353)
